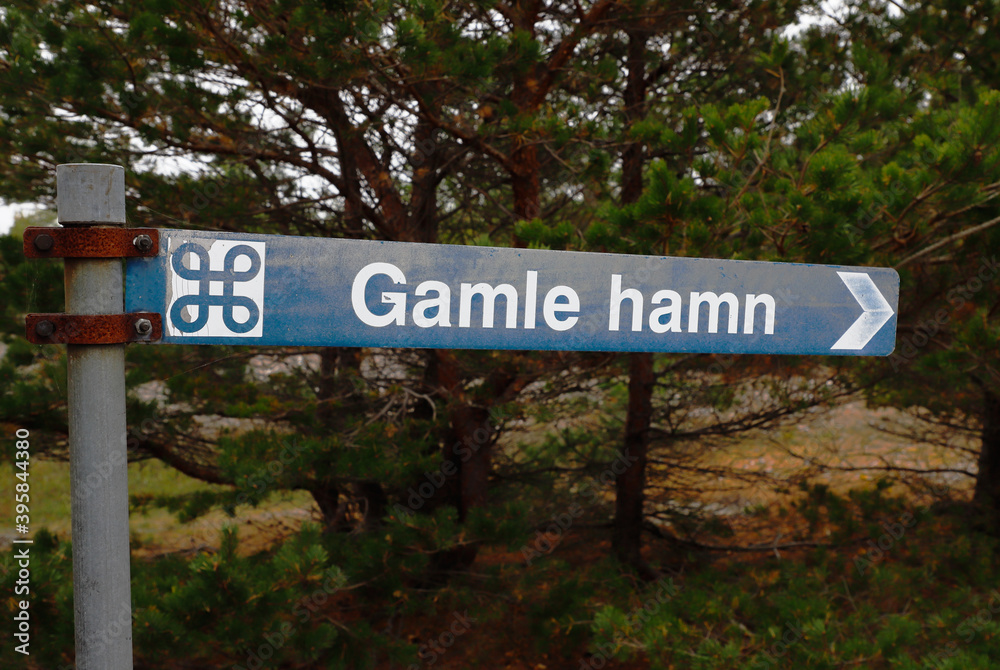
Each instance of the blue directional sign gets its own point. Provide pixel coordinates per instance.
(219, 288)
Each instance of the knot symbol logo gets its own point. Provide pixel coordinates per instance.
(217, 291)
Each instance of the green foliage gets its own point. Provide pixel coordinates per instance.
(564, 595)
(928, 597)
(223, 608)
(870, 141)
(816, 613)
(187, 506)
(29, 286)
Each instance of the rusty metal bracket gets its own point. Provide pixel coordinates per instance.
(93, 328)
(91, 242)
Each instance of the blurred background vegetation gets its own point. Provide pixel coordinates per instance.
(780, 512)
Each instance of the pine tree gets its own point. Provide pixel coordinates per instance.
(933, 175)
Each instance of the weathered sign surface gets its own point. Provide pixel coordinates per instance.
(219, 288)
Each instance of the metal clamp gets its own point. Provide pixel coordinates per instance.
(93, 328)
(91, 242)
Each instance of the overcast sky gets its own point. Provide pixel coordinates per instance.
(6, 218)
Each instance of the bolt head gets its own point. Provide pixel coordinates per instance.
(44, 329)
(143, 243)
(44, 242)
(143, 326)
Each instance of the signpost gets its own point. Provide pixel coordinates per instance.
(219, 288)
(89, 196)
(187, 287)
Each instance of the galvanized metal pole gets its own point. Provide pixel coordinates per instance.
(94, 195)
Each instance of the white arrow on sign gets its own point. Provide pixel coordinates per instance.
(877, 311)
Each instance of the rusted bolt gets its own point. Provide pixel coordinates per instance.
(143, 326)
(143, 243)
(44, 329)
(44, 242)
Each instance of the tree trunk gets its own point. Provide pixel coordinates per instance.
(467, 443)
(375, 501)
(338, 366)
(987, 493)
(327, 497)
(336, 402)
(470, 446)
(626, 538)
(524, 181)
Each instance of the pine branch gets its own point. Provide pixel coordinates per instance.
(948, 240)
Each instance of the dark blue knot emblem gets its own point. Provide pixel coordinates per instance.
(203, 300)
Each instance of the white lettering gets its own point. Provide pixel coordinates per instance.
(489, 294)
(713, 301)
(395, 315)
(673, 310)
(617, 296)
(748, 313)
(442, 303)
(530, 299)
(552, 308)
